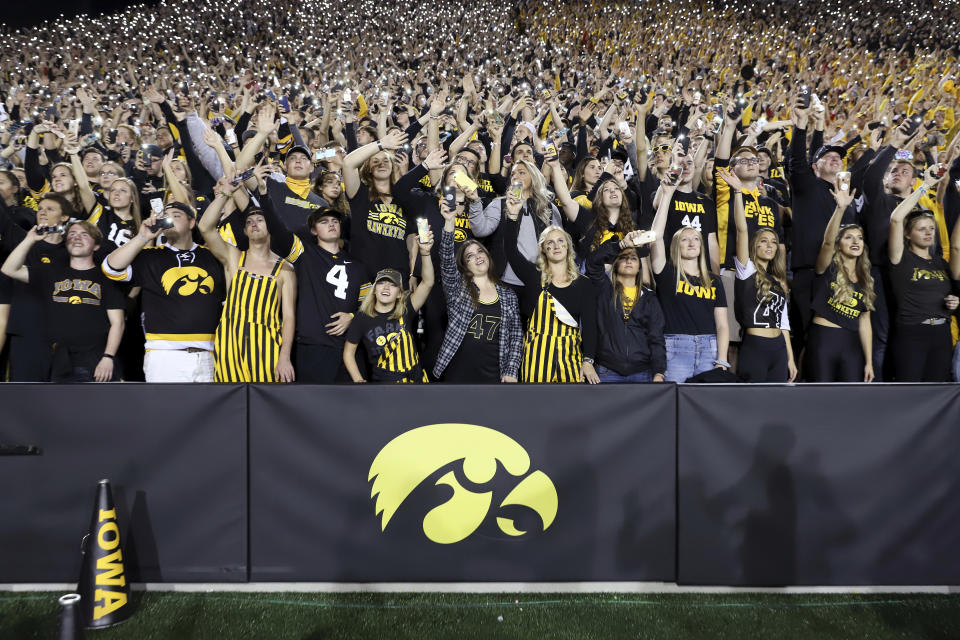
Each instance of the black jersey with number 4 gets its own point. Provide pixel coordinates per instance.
(327, 283)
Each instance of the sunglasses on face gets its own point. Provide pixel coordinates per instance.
(661, 148)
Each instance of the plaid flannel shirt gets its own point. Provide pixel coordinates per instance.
(460, 310)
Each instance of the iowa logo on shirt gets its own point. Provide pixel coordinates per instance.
(386, 220)
(186, 281)
(403, 470)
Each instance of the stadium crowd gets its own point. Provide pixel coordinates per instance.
(606, 192)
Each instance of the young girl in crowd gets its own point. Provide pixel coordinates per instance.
(561, 338)
(921, 341)
(482, 340)
(630, 320)
(694, 306)
(761, 294)
(840, 341)
(387, 324)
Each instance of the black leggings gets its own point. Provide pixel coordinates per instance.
(763, 359)
(834, 355)
(922, 352)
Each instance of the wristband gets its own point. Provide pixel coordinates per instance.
(379, 146)
(922, 189)
(107, 355)
(722, 363)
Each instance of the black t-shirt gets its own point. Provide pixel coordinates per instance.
(76, 303)
(477, 360)
(28, 310)
(688, 305)
(378, 234)
(754, 312)
(291, 208)
(490, 186)
(692, 209)
(388, 343)
(845, 313)
(920, 286)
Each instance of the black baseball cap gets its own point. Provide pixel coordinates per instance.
(152, 151)
(825, 149)
(323, 212)
(298, 148)
(173, 204)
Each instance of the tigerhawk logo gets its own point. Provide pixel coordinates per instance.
(410, 458)
(187, 281)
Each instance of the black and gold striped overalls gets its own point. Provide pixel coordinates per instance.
(551, 349)
(248, 336)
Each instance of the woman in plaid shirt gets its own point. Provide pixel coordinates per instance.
(482, 342)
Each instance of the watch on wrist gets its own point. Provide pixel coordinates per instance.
(588, 360)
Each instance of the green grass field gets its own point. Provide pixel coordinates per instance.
(302, 616)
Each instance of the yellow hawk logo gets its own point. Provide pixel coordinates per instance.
(386, 217)
(186, 281)
(410, 458)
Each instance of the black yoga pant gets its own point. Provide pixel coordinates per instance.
(834, 355)
(763, 359)
(922, 352)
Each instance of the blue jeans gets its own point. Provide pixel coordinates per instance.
(689, 355)
(606, 375)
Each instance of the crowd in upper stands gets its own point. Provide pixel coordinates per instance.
(342, 190)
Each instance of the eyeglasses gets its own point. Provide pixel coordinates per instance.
(467, 161)
(749, 161)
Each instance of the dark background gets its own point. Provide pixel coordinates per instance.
(26, 14)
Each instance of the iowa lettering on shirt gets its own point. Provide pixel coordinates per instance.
(928, 274)
(386, 220)
(688, 207)
(687, 289)
(76, 286)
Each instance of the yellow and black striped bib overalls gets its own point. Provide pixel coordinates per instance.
(248, 336)
(551, 349)
(400, 356)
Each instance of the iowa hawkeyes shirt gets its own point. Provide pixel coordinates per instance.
(76, 303)
(183, 294)
(378, 233)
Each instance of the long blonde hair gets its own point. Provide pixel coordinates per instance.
(844, 289)
(706, 279)
(776, 268)
(546, 277)
(542, 205)
(369, 305)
